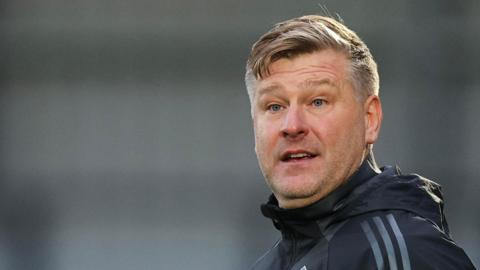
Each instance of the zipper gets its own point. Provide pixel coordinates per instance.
(294, 250)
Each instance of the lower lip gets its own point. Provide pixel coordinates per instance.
(300, 160)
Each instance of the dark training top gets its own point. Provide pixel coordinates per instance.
(374, 221)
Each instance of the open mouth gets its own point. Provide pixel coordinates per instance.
(291, 157)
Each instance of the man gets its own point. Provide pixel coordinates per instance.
(313, 87)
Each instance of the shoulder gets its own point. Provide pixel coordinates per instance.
(394, 239)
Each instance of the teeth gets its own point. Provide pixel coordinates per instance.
(299, 155)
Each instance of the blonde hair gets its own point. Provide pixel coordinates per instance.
(308, 34)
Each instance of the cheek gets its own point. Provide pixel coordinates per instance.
(261, 137)
(326, 129)
(265, 139)
(354, 134)
(336, 131)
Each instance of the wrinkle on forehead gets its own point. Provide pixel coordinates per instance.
(322, 61)
(316, 83)
(325, 77)
(286, 69)
(305, 71)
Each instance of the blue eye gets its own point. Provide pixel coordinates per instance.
(274, 107)
(318, 102)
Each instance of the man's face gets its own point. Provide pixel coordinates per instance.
(310, 126)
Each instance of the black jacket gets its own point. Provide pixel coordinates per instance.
(374, 221)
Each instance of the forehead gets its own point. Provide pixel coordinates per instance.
(321, 67)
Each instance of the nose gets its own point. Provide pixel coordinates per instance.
(294, 124)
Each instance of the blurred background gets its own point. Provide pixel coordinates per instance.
(125, 134)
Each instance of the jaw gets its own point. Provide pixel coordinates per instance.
(296, 180)
(297, 191)
(300, 184)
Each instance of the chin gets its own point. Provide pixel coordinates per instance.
(295, 187)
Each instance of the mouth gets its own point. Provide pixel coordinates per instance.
(293, 156)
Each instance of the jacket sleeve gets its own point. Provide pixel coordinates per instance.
(428, 246)
(395, 240)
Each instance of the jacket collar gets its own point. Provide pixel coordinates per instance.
(305, 220)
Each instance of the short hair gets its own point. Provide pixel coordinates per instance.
(308, 34)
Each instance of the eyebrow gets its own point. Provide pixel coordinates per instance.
(312, 83)
(267, 89)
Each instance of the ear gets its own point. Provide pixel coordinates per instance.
(373, 118)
